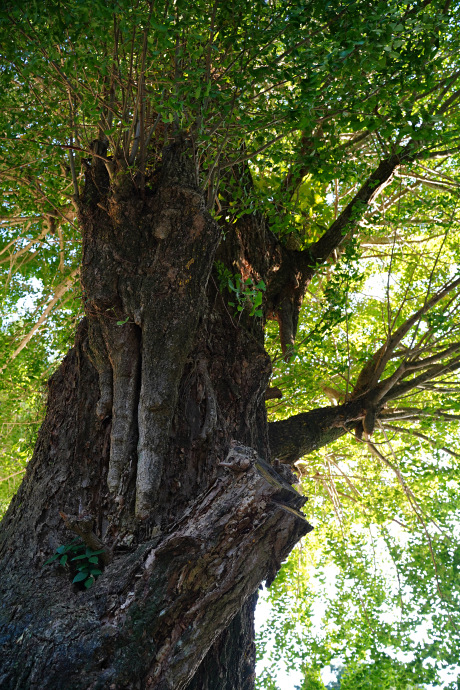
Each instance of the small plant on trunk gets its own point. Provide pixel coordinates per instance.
(82, 562)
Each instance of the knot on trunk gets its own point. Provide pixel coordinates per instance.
(367, 424)
(83, 527)
(285, 471)
(240, 458)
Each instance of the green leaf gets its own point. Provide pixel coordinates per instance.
(83, 567)
(79, 577)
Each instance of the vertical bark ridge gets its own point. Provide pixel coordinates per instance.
(124, 353)
(145, 268)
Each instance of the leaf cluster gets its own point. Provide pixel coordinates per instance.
(83, 563)
(247, 293)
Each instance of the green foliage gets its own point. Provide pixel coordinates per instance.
(247, 293)
(382, 559)
(311, 681)
(23, 380)
(83, 563)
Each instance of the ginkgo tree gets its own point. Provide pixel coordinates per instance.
(384, 557)
(186, 177)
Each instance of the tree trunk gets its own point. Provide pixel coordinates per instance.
(155, 444)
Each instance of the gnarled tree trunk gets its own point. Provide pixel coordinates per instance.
(155, 443)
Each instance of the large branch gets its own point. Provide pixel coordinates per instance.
(295, 269)
(303, 433)
(347, 221)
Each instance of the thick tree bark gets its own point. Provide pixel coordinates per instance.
(155, 443)
(292, 438)
(230, 662)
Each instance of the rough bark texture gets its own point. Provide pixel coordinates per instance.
(155, 443)
(303, 433)
(231, 660)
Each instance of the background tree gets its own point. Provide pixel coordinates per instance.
(218, 162)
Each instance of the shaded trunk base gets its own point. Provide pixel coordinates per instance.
(170, 612)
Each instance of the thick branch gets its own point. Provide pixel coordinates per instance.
(303, 433)
(292, 438)
(295, 269)
(347, 221)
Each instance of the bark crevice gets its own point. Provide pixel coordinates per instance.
(144, 279)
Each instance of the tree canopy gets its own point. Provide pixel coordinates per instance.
(338, 123)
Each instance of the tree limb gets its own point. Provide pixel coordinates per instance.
(347, 221)
(303, 433)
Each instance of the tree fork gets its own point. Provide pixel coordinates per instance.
(288, 272)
